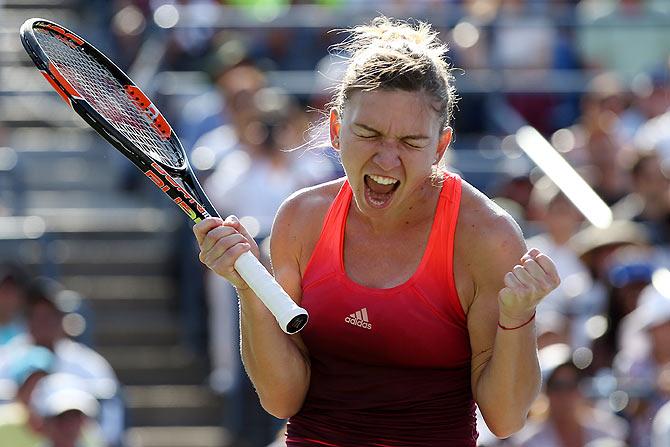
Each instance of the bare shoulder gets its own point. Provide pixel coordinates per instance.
(487, 237)
(485, 218)
(299, 220)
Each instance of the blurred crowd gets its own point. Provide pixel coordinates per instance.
(55, 391)
(604, 335)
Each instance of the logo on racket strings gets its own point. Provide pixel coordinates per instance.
(149, 111)
(177, 193)
(64, 36)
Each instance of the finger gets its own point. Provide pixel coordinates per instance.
(512, 281)
(222, 246)
(534, 269)
(214, 235)
(524, 277)
(205, 226)
(549, 267)
(231, 221)
(545, 282)
(227, 261)
(533, 252)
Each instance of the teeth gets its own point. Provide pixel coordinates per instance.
(383, 180)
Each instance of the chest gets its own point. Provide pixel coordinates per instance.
(384, 261)
(407, 326)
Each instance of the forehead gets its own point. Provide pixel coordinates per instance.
(397, 110)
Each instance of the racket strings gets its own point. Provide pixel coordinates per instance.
(103, 91)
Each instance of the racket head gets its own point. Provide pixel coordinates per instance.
(110, 102)
(103, 95)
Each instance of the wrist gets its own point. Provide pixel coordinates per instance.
(249, 301)
(507, 322)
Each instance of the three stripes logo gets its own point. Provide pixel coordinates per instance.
(360, 319)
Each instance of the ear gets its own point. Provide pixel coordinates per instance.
(443, 143)
(334, 127)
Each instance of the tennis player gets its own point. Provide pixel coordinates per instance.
(420, 290)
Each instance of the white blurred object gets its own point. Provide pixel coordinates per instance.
(59, 393)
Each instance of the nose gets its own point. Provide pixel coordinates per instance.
(387, 156)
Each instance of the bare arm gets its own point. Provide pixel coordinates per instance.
(276, 363)
(505, 371)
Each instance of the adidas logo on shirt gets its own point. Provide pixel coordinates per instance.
(360, 319)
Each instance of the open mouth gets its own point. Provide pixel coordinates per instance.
(379, 189)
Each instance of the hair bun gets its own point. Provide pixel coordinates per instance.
(384, 32)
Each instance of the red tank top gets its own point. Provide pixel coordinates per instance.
(389, 367)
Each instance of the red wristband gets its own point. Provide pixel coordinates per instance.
(505, 328)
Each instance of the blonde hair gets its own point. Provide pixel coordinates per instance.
(394, 54)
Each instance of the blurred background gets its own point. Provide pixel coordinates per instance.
(109, 330)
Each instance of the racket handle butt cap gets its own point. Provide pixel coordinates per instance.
(293, 321)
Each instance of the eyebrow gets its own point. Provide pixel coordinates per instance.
(406, 137)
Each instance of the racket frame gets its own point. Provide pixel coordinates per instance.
(188, 195)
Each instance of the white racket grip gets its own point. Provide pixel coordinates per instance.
(291, 317)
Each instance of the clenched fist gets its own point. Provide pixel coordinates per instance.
(525, 286)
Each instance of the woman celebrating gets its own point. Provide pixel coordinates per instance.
(420, 291)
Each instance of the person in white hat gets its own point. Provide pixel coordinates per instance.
(570, 420)
(68, 411)
(645, 354)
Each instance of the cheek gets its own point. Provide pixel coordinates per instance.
(420, 163)
(356, 151)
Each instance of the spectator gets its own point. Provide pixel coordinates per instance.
(649, 199)
(650, 98)
(629, 274)
(524, 41)
(45, 313)
(229, 70)
(632, 38)
(12, 300)
(552, 327)
(517, 189)
(609, 178)
(212, 126)
(570, 421)
(68, 412)
(660, 428)
(595, 248)
(601, 106)
(238, 87)
(645, 338)
(19, 425)
(655, 134)
(251, 181)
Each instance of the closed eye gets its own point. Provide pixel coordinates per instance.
(413, 144)
(366, 136)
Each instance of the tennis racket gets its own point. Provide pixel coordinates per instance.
(117, 109)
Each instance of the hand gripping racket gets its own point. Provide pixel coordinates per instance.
(116, 108)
